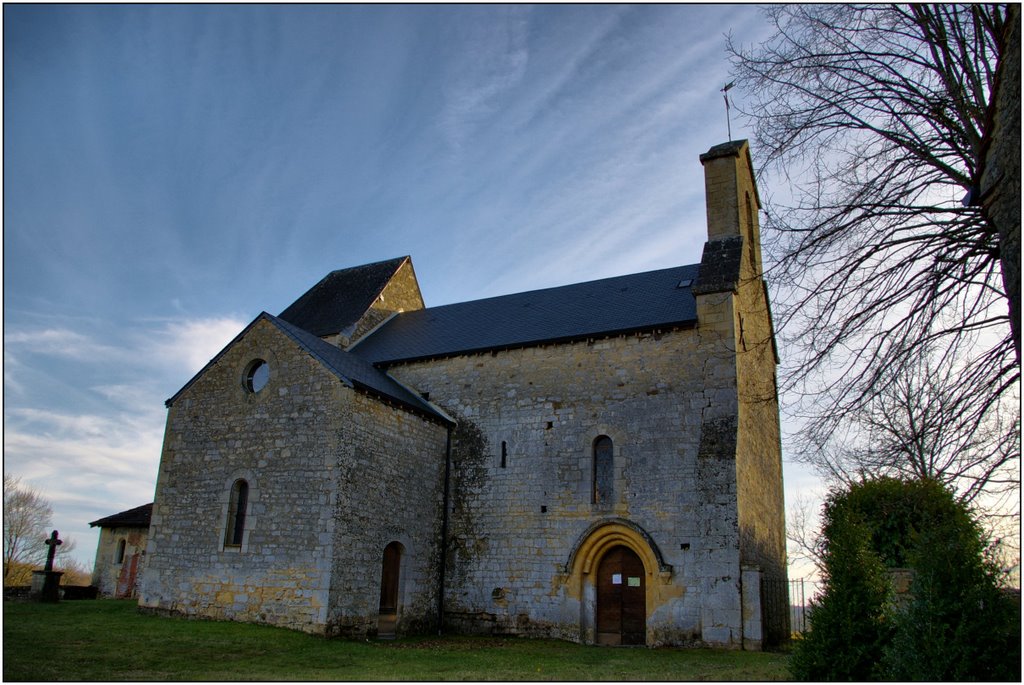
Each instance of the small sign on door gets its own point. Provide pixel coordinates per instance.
(634, 581)
(616, 579)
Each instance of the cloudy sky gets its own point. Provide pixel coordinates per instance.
(171, 171)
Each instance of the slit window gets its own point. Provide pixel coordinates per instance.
(504, 454)
(750, 235)
(236, 514)
(119, 555)
(603, 471)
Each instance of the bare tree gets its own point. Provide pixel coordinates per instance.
(75, 572)
(912, 428)
(27, 515)
(879, 117)
(803, 531)
(27, 519)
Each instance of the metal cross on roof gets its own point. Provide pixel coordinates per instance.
(725, 94)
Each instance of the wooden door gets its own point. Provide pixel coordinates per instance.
(126, 579)
(621, 599)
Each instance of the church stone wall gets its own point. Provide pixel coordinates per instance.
(284, 441)
(401, 294)
(739, 313)
(115, 578)
(390, 474)
(514, 527)
(334, 476)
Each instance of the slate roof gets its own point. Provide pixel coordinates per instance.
(645, 301)
(341, 297)
(351, 370)
(357, 372)
(131, 518)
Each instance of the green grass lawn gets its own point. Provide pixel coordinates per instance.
(110, 640)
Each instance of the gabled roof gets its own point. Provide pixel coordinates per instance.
(359, 373)
(341, 297)
(132, 518)
(351, 370)
(611, 306)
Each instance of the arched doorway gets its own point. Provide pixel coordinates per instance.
(621, 615)
(389, 576)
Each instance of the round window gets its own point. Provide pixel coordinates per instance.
(257, 375)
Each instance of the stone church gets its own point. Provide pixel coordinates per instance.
(598, 462)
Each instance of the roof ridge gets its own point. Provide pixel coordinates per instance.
(649, 301)
(143, 511)
(400, 260)
(561, 287)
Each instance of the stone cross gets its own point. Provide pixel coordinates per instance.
(52, 543)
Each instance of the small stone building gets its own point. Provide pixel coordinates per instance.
(120, 554)
(598, 462)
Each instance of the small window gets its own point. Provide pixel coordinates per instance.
(119, 555)
(504, 454)
(236, 514)
(750, 235)
(604, 472)
(257, 375)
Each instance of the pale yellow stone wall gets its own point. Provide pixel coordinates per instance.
(111, 576)
(334, 476)
(744, 315)
(513, 528)
(390, 469)
(401, 294)
(282, 441)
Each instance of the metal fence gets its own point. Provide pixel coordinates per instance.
(775, 609)
(797, 606)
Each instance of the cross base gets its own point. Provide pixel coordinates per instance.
(46, 586)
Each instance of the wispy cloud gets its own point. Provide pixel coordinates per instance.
(491, 60)
(189, 344)
(167, 160)
(100, 455)
(61, 342)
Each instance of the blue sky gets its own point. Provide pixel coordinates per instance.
(171, 171)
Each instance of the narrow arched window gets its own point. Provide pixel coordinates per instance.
(236, 513)
(604, 472)
(119, 555)
(751, 256)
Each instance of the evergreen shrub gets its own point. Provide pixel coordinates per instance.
(956, 623)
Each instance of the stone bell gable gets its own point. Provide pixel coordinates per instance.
(598, 461)
(742, 418)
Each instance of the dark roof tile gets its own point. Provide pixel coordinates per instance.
(132, 518)
(609, 306)
(720, 266)
(357, 372)
(350, 369)
(341, 297)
